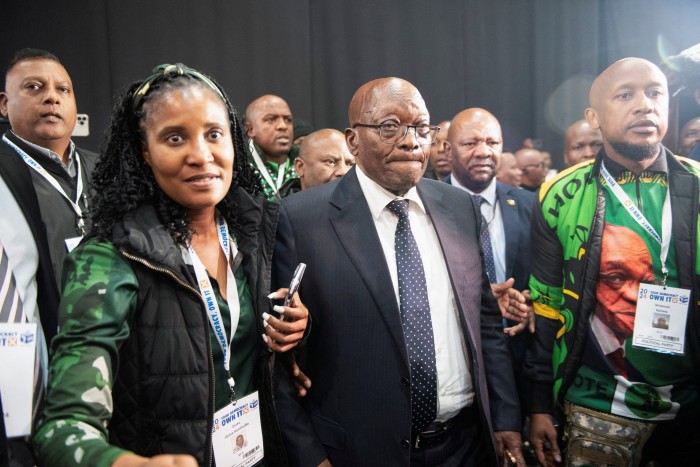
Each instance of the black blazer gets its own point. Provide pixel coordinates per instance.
(16, 175)
(358, 410)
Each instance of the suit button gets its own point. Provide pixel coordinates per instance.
(405, 443)
(405, 382)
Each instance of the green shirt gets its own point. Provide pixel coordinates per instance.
(273, 169)
(649, 385)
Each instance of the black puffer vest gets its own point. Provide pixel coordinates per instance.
(164, 390)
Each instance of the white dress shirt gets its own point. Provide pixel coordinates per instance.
(491, 211)
(455, 387)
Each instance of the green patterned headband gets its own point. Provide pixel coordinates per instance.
(169, 71)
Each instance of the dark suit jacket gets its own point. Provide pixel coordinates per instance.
(516, 209)
(19, 179)
(358, 412)
(16, 175)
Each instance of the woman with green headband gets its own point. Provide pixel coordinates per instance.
(163, 355)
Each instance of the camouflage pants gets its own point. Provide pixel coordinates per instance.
(599, 439)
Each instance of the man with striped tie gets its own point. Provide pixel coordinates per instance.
(43, 181)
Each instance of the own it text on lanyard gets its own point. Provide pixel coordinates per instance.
(211, 304)
(54, 183)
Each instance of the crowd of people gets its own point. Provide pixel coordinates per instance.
(461, 305)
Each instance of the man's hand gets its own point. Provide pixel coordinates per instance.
(542, 431)
(513, 304)
(284, 334)
(528, 324)
(162, 460)
(325, 463)
(301, 381)
(509, 443)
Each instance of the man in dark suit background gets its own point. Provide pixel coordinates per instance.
(372, 402)
(475, 143)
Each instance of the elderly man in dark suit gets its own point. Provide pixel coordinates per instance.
(407, 354)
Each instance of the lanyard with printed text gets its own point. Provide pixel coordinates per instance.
(263, 170)
(210, 302)
(638, 216)
(52, 181)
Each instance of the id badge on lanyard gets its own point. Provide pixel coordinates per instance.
(237, 432)
(661, 311)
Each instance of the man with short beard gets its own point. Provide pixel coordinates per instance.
(624, 404)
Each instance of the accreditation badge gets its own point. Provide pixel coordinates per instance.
(237, 433)
(17, 348)
(659, 323)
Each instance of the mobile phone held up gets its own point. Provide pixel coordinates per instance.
(296, 281)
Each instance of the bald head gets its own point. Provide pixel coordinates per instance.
(269, 124)
(508, 170)
(323, 156)
(473, 117)
(581, 142)
(396, 164)
(474, 144)
(629, 104)
(531, 162)
(619, 75)
(391, 89)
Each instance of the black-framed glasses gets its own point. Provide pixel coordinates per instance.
(393, 133)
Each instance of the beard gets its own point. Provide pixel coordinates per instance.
(636, 152)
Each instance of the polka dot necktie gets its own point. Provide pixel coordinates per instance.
(415, 317)
(486, 242)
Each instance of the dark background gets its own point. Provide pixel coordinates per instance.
(530, 62)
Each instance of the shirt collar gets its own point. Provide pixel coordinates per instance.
(607, 339)
(660, 165)
(489, 193)
(49, 153)
(378, 197)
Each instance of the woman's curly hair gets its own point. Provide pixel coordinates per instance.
(122, 181)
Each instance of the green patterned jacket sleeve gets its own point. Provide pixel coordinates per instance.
(98, 302)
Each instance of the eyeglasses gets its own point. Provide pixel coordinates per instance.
(392, 133)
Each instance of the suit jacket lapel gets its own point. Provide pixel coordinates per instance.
(509, 211)
(353, 223)
(455, 248)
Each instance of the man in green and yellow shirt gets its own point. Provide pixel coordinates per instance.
(602, 230)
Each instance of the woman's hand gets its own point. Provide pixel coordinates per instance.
(283, 333)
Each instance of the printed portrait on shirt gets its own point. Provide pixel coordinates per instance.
(625, 262)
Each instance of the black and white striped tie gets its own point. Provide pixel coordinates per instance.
(12, 311)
